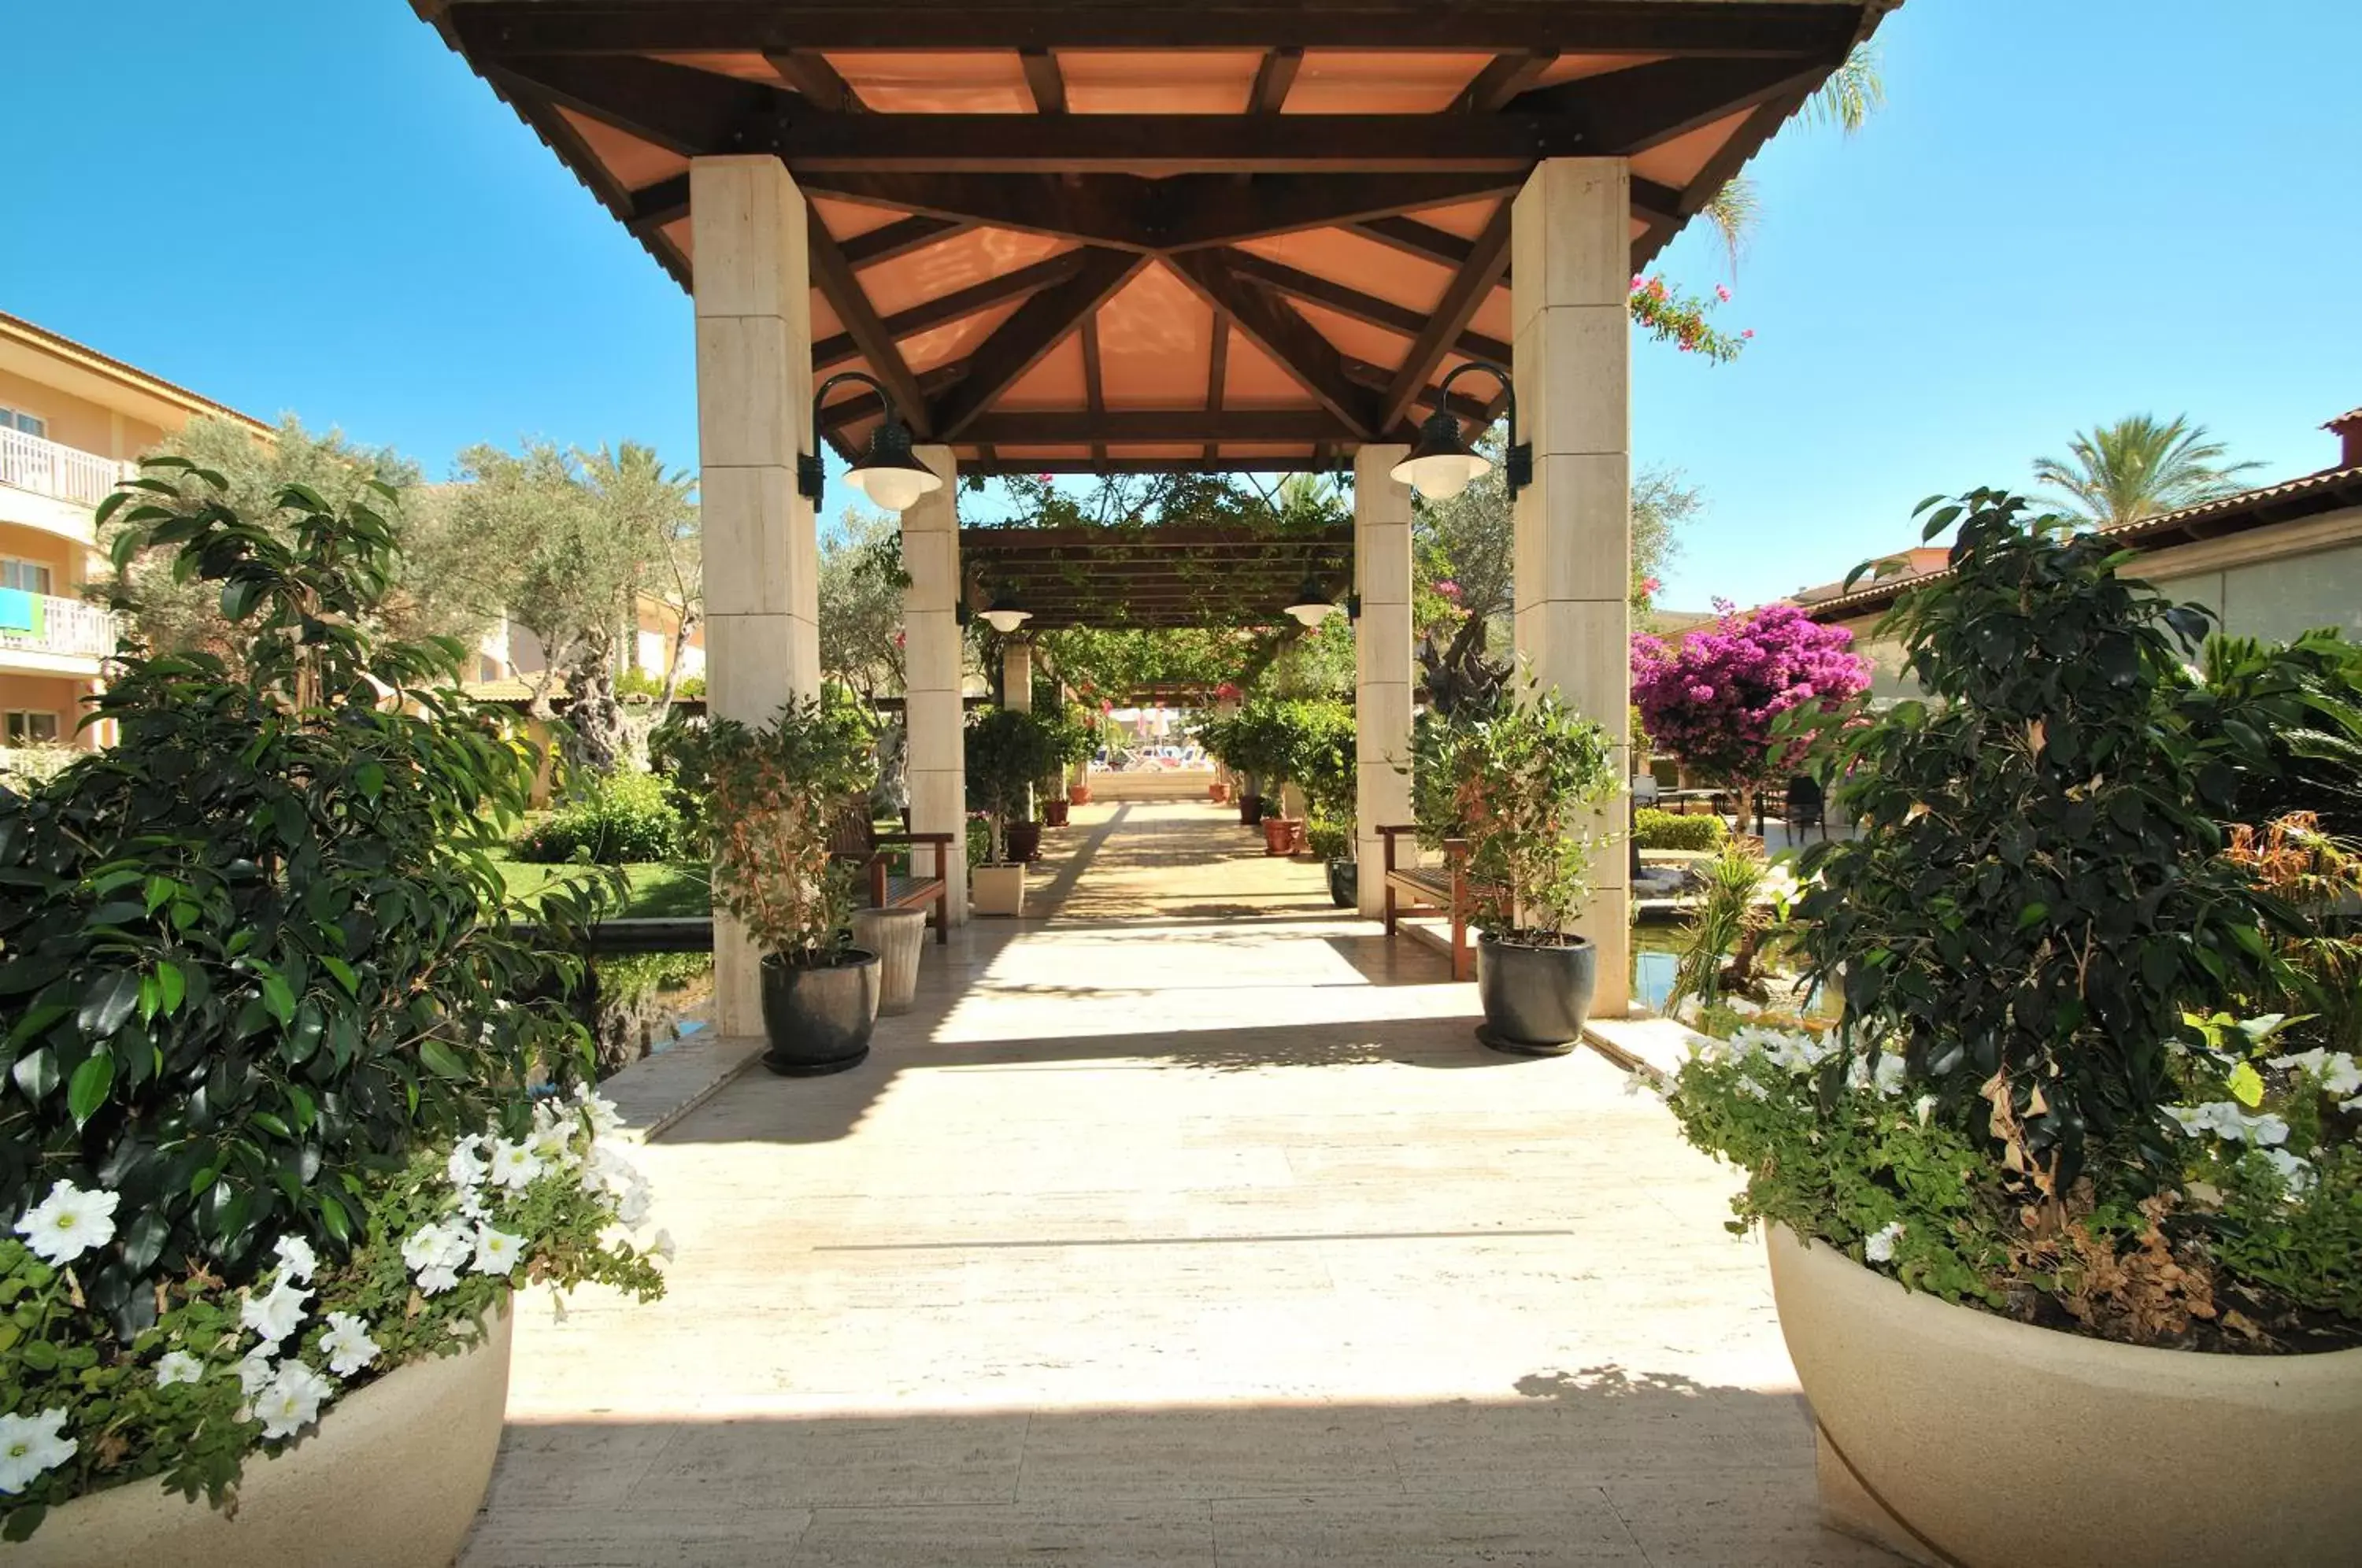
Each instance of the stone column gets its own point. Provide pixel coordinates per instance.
(1017, 676)
(931, 659)
(1382, 661)
(754, 402)
(1571, 250)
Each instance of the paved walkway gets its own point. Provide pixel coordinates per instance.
(1159, 1240)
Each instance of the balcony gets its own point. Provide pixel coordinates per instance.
(46, 625)
(61, 474)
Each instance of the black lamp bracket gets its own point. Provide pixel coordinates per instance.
(811, 477)
(1517, 470)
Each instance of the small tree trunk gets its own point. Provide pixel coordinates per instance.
(594, 717)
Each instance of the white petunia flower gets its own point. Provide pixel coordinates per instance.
(662, 1246)
(69, 1223)
(30, 1444)
(277, 1315)
(497, 1252)
(514, 1165)
(292, 1401)
(634, 1205)
(554, 1145)
(346, 1344)
(2295, 1172)
(603, 1116)
(297, 1258)
(431, 1245)
(1879, 1245)
(2339, 1072)
(436, 1278)
(256, 1369)
(466, 1166)
(2222, 1119)
(1753, 1088)
(178, 1366)
(1889, 1076)
(1923, 1107)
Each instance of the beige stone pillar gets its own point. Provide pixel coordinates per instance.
(1571, 250)
(754, 402)
(1017, 676)
(1382, 662)
(932, 659)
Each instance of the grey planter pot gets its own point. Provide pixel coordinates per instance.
(1344, 884)
(818, 1019)
(1536, 1000)
(897, 937)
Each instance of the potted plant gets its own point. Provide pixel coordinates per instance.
(292, 1110)
(776, 797)
(2071, 1197)
(1007, 752)
(1328, 765)
(1071, 738)
(1263, 740)
(1526, 783)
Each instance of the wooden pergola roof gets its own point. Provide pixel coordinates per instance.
(1161, 577)
(1150, 235)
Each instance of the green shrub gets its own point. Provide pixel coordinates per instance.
(622, 818)
(1330, 841)
(1653, 829)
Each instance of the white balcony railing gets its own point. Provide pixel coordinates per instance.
(62, 626)
(63, 473)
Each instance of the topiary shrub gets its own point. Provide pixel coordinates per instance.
(1653, 829)
(622, 818)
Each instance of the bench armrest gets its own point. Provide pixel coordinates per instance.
(941, 841)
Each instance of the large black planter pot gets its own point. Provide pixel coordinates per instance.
(1250, 811)
(818, 1018)
(1025, 842)
(1344, 884)
(1536, 998)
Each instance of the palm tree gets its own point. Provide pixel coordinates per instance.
(1854, 91)
(2140, 467)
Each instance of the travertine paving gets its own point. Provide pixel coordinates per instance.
(1159, 1240)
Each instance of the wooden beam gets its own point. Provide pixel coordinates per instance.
(1627, 112)
(1506, 76)
(1044, 80)
(1310, 359)
(687, 112)
(832, 275)
(947, 308)
(1716, 173)
(808, 71)
(899, 238)
(1378, 378)
(1161, 427)
(1413, 237)
(1094, 390)
(1709, 27)
(1355, 304)
(1305, 464)
(1201, 210)
(1105, 210)
(1159, 145)
(1460, 300)
(1218, 369)
(1019, 343)
(1653, 201)
(652, 207)
(1273, 80)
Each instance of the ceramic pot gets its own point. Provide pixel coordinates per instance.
(1344, 884)
(1025, 842)
(897, 937)
(818, 1016)
(1536, 1000)
(997, 890)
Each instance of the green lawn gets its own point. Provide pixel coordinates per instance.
(655, 890)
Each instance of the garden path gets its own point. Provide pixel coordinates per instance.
(1157, 1239)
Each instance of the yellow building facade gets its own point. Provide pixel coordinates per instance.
(72, 424)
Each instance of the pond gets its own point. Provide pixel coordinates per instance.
(644, 1003)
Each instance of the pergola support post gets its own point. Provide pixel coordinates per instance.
(934, 715)
(1571, 252)
(754, 401)
(1017, 676)
(1382, 662)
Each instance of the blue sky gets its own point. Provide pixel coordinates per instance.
(2066, 213)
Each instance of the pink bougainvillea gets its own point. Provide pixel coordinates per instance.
(1710, 698)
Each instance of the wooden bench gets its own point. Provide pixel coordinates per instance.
(859, 842)
(1412, 889)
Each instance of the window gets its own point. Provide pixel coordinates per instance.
(24, 728)
(18, 419)
(30, 576)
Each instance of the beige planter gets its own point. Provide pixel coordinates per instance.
(1955, 1437)
(391, 1478)
(997, 890)
(897, 937)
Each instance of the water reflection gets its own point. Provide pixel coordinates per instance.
(641, 1004)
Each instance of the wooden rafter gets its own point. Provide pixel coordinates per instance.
(1626, 112)
(1273, 327)
(1702, 27)
(1218, 371)
(1094, 383)
(833, 275)
(1102, 425)
(1044, 80)
(900, 237)
(1461, 297)
(808, 71)
(1274, 77)
(1413, 237)
(1034, 328)
(943, 309)
(1355, 304)
(652, 207)
(1503, 78)
(1140, 144)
